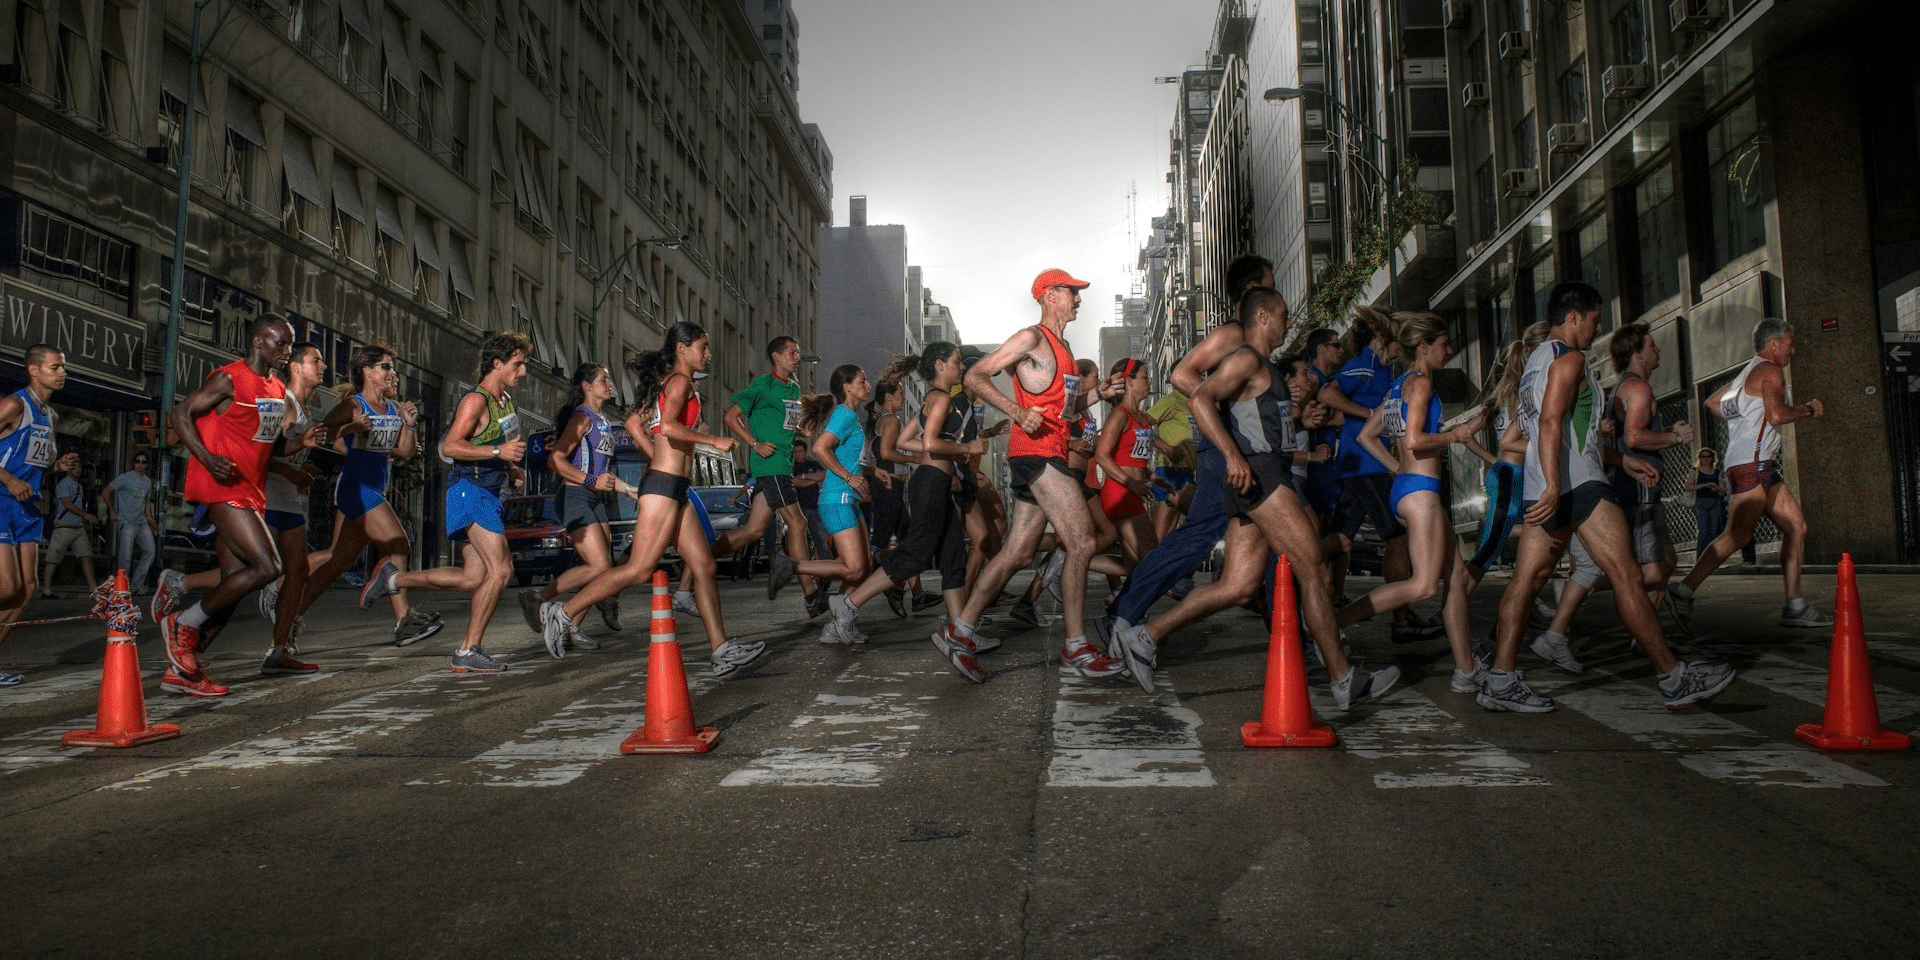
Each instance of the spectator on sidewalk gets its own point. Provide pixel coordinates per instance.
(72, 527)
(129, 502)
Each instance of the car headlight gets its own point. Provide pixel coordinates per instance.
(552, 543)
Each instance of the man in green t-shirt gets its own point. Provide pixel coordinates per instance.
(763, 416)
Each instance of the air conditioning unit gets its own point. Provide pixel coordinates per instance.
(1519, 182)
(1625, 81)
(158, 156)
(1473, 95)
(1454, 14)
(1567, 138)
(1516, 45)
(1695, 14)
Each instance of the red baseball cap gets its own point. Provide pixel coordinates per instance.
(1056, 277)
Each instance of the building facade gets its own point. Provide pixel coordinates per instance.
(869, 309)
(417, 172)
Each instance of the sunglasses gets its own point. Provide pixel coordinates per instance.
(139, 459)
(388, 366)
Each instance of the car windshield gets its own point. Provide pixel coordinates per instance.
(527, 511)
(720, 499)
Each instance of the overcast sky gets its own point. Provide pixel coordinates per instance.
(1003, 134)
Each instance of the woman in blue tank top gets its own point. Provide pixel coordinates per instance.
(582, 457)
(372, 430)
(1410, 416)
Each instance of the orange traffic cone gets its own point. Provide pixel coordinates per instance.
(1853, 715)
(669, 727)
(123, 709)
(1286, 718)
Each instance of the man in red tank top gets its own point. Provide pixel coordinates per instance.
(1047, 394)
(231, 427)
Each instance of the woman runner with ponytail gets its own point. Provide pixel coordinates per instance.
(582, 457)
(838, 442)
(664, 385)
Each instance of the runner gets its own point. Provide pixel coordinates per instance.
(375, 429)
(289, 478)
(1173, 463)
(665, 385)
(838, 443)
(1324, 358)
(582, 457)
(1755, 406)
(1245, 409)
(231, 427)
(1365, 483)
(1184, 550)
(26, 451)
(934, 534)
(483, 443)
(1503, 478)
(73, 527)
(129, 501)
(1410, 416)
(1566, 491)
(763, 416)
(1044, 487)
(1124, 451)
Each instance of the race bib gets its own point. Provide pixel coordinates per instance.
(40, 446)
(384, 433)
(605, 447)
(1073, 386)
(792, 421)
(510, 425)
(1142, 443)
(273, 415)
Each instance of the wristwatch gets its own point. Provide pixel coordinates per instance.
(496, 452)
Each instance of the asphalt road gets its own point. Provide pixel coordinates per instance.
(865, 802)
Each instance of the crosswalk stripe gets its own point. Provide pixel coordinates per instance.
(1431, 748)
(1708, 744)
(562, 748)
(47, 688)
(1898, 652)
(1105, 736)
(331, 732)
(871, 733)
(1809, 685)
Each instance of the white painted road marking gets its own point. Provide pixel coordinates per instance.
(1429, 746)
(854, 738)
(1108, 735)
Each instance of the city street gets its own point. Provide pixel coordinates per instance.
(865, 802)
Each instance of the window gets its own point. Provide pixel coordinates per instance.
(303, 202)
(176, 73)
(70, 75)
(396, 72)
(1656, 236)
(1594, 265)
(1486, 202)
(460, 306)
(770, 32)
(530, 190)
(199, 301)
(1627, 31)
(115, 95)
(1427, 109)
(430, 105)
(349, 214)
(246, 147)
(1538, 278)
(390, 244)
(354, 47)
(1526, 145)
(1573, 91)
(1738, 224)
(72, 258)
(429, 269)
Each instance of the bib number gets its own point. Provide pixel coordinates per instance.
(792, 420)
(40, 447)
(1142, 443)
(384, 434)
(273, 414)
(510, 426)
(1072, 383)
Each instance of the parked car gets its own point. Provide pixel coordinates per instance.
(727, 509)
(538, 543)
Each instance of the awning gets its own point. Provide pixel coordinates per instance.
(354, 14)
(531, 195)
(296, 156)
(175, 69)
(243, 118)
(457, 271)
(386, 215)
(399, 65)
(425, 247)
(346, 194)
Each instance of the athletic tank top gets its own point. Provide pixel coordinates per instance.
(1263, 423)
(245, 433)
(1136, 445)
(27, 452)
(282, 495)
(594, 453)
(689, 414)
(959, 411)
(1579, 451)
(1324, 435)
(1394, 409)
(1749, 438)
(1051, 441)
(369, 459)
(501, 425)
(898, 469)
(1632, 490)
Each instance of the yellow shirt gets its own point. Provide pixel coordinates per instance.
(1174, 426)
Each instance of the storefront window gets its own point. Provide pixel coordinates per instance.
(1733, 186)
(1595, 268)
(1657, 237)
(69, 257)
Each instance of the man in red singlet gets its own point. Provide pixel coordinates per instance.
(1046, 396)
(231, 427)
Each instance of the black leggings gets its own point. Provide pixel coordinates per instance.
(934, 533)
(888, 512)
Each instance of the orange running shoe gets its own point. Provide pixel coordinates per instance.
(201, 686)
(183, 645)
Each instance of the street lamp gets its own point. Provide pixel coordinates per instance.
(600, 296)
(1284, 94)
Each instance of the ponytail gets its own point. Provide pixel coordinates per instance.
(650, 369)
